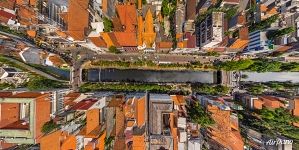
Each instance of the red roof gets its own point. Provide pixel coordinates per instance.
(7, 15)
(84, 104)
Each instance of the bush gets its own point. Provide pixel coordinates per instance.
(210, 89)
(49, 126)
(41, 83)
(278, 33)
(108, 25)
(88, 87)
(198, 115)
(263, 24)
(235, 65)
(113, 49)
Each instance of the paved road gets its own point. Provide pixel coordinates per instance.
(33, 69)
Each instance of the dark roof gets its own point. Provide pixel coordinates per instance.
(10, 69)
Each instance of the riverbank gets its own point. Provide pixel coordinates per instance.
(147, 65)
(250, 65)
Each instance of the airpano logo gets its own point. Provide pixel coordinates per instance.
(279, 142)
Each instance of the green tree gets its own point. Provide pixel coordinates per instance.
(40, 83)
(235, 65)
(108, 25)
(198, 115)
(278, 33)
(113, 49)
(49, 126)
(264, 65)
(263, 24)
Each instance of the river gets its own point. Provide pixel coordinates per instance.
(162, 76)
(150, 76)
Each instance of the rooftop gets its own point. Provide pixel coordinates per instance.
(84, 104)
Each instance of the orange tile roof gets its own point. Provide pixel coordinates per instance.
(9, 4)
(53, 140)
(178, 99)
(149, 34)
(27, 16)
(272, 11)
(128, 16)
(140, 31)
(162, 45)
(56, 60)
(138, 142)
(61, 34)
(101, 141)
(239, 44)
(69, 143)
(140, 111)
(92, 120)
(117, 26)
(107, 39)
(130, 123)
(283, 48)
(126, 39)
(27, 95)
(77, 9)
(263, 8)
(105, 6)
(98, 41)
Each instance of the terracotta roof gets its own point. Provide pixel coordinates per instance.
(178, 99)
(9, 4)
(106, 37)
(84, 104)
(241, 19)
(130, 123)
(98, 41)
(149, 34)
(61, 33)
(272, 11)
(26, 16)
(263, 8)
(5, 16)
(239, 44)
(125, 39)
(117, 26)
(77, 9)
(128, 16)
(162, 45)
(244, 33)
(5, 94)
(116, 103)
(31, 33)
(191, 9)
(283, 48)
(56, 60)
(27, 95)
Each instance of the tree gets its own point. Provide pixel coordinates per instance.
(198, 115)
(278, 33)
(265, 65)
(113, 49)
(49, 126)
(108, 25)
(235, 65)
(40, 83)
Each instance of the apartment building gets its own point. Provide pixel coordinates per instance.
(22, 116)
(210, 31)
